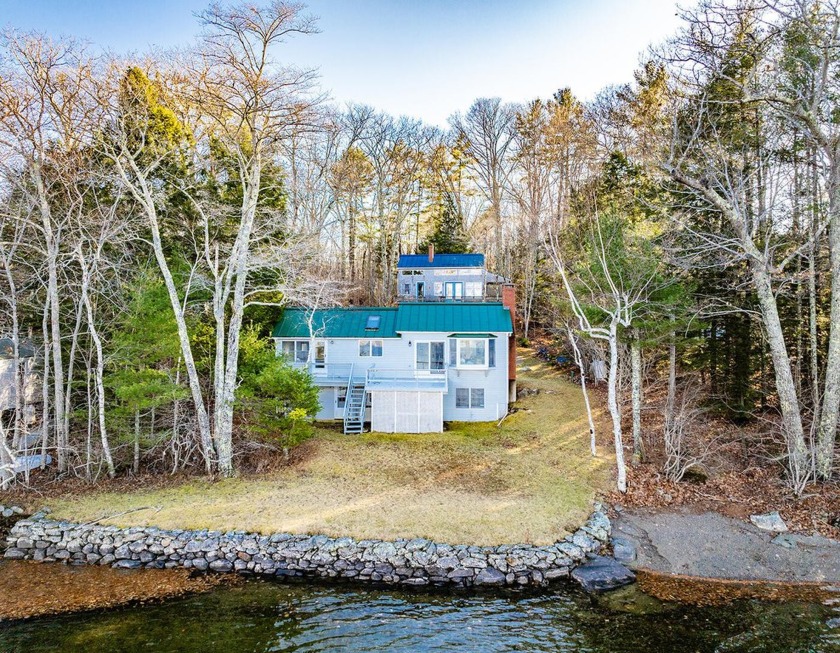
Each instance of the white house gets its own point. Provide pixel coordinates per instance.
(408, 368)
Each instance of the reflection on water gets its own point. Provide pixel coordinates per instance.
(265, 616)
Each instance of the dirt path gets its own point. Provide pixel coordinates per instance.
(707, 544)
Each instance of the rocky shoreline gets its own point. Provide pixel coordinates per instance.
(407, 562)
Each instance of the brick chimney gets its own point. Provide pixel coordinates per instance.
(431, 253)
(509, 302)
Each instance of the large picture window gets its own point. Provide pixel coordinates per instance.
(472, 353)
(469, 398)
(430, 356)
(370, 348)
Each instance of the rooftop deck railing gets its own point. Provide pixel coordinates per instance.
(486, 297)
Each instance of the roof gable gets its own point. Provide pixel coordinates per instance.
(414, 261)
(337, 323)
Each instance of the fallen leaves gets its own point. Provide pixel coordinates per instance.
(737, 494)
(30, 589)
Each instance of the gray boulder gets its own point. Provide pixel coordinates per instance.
(623, 549)
(770, 521)
(490, 576)
(601, 574)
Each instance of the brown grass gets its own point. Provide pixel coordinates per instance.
(531, 479)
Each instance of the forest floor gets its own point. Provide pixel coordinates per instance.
(530, 479)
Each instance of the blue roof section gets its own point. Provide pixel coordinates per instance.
(414, 261)
(454, 317)
(336, 323)
(444, 317)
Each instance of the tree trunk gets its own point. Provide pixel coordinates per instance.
(71, 364)
(615, 412)
(671, 398)
(582, 366)
(45, 386)
(100, 368)
(89, 428)
(7, 460)
(136, 466)
(813, 334)
(351, 239)
(785, 383)
(143, 194)
(224, 427)
(55, 318)
(827, 432)
(636, 385)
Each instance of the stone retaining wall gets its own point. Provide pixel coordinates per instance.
(405, 562)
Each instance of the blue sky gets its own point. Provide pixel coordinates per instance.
(423, 58)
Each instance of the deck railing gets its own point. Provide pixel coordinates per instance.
(407, 379)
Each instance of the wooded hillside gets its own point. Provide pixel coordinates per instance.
(157, 211)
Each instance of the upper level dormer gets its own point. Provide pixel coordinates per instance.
(446, 277)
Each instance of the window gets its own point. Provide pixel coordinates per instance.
(295, 351)
(476, 397)
(469, 398)
(320, 355)
(491, 353)
(472, 352)
(462, 398)
(430, 356)
(406, 288)
(373, 323)
(453, 352)
(474, 289)
(370, 348)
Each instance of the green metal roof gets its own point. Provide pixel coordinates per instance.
(336, 323)
(453, 317)
(458, 319)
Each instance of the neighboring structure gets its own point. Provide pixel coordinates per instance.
(410, 368)
(27, 377)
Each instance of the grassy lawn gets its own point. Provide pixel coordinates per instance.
(531, 479)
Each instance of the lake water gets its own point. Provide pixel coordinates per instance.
(270, 616)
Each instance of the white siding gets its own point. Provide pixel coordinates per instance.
(406, 412)
(327, 399)
(493, 380)
(346, 350)
(399, 354)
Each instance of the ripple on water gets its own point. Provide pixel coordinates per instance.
(264, 616)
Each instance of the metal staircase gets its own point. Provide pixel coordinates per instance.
(354, 407)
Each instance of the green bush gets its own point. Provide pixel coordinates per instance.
(279, 401)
